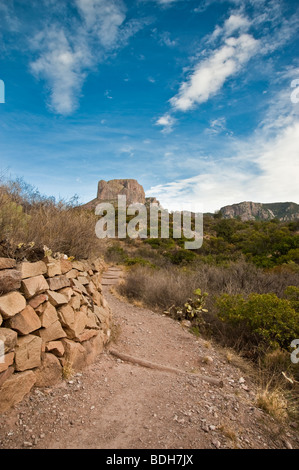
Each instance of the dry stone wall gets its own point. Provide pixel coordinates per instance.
(54, 320)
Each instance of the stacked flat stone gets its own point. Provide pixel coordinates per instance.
(53, 316)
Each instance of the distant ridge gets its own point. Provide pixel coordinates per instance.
(283, 211)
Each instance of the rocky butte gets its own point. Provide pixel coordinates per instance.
(108, 191)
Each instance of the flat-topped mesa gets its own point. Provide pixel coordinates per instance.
(110, 190)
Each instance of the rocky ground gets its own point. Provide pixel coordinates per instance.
(120, 405)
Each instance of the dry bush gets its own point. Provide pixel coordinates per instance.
(27, 217)
(273, 402)
(157, 288)
(171, 285)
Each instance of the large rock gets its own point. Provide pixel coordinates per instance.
(67, 292)
(54, 331)
(56, 348)
(15, 388)
(93, 348)
(6, 361)
(32, 269)
(11, 304)
(74, 322)
(58, 282)
(9, 338)
(56, 299)
(78, 287)
(10, 279)
(7, 263)
(50, 372)
(75, 355)
(28, 352)
(65, 266)
(54, 268)
(75, 301)
(48, 315)
(25, 322)
(73, 273)
(6, 375)
(79, 265)
(38, 300)
(66, 316)
(34, 285)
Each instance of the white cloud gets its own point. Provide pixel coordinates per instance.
(67, 53)
(167, 122)
(230, 181)
(166, 40)
(210, 74)
(62, 65)
(127, 149)
(166, 2)
(103, 18)
(8, 19)
(235, 23)
(217, 126)
(108, 95)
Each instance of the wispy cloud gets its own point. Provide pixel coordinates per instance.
(226, 52)
(67, 52)
(210, 74)
(62, 64)
(8, 17)
(167, 122)
(166, 40)
(218, 126)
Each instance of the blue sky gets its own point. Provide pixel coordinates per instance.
(197, 100)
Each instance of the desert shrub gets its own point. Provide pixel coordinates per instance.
(27, 217)
(267, 318)
(180, 256)
(158, 288)
(292, 294)
(138, 261)
(192, 310)
(171, 284)
(115, 254)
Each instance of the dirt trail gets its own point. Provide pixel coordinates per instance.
(120, 405)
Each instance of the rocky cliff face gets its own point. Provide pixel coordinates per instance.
(284, 211)
(108, 191)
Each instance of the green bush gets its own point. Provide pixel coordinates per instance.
(180, 256)
(138, 261)
(267, 318)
